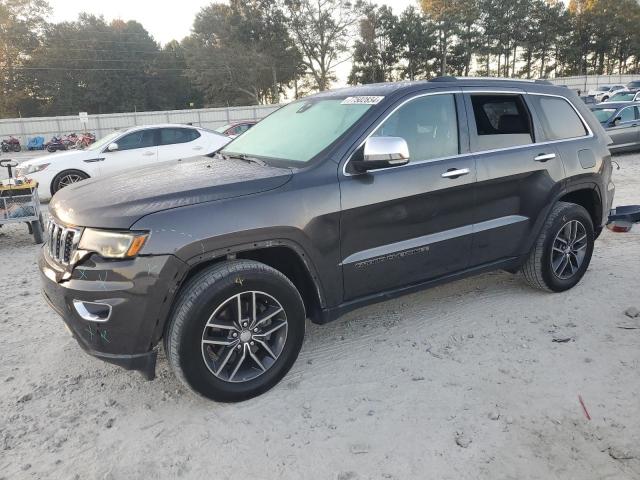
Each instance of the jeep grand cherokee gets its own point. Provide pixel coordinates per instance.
(332, 202)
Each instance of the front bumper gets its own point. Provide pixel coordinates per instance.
(139, 293)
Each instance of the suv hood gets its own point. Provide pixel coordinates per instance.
(120, 200)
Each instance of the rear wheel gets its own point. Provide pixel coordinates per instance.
(17, 148)
(236, 330)
(562, 253)
(66, 178)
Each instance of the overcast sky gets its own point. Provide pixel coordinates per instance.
(164, 20)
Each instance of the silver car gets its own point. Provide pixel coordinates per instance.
(622, 123)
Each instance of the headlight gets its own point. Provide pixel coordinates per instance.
(28, 170)
(111, 244)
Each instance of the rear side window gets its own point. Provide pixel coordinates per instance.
(560, 119)
(171, 136)
(501, 121)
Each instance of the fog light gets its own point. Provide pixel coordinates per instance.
(92, 311)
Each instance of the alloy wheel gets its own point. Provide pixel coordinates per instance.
(244, 336)
(68, 180)
(569, 250)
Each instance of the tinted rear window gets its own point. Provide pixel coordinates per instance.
(560, 118)
(171, 136)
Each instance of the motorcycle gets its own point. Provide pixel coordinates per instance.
(85, 139)
(11, 145)
(55, 144)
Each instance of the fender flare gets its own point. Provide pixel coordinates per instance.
(229, 251)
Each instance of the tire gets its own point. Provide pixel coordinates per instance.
(604, 99)
(543, 268)
(36, 229)
(211, 296)
(17, 148)
(51, 148)
(66, 178)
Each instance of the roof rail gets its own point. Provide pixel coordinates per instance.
(444, 79)
(497, 79)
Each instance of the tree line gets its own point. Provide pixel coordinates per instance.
(248, 52)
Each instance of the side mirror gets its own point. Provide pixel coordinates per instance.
(382, 152)
(616, 121)
(112, 147)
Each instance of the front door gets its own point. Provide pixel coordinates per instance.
(136, 149)
(409, 224)
(626, 131)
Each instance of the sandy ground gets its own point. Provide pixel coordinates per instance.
(464, 381)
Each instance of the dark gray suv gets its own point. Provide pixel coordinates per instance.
(332, 202)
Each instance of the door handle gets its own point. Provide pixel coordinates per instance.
(148, 154)
(197, 148)
(545, 157)
(455, 173)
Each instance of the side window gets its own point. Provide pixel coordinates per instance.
(429, 125)
(627, 114)
(560, 119)
(234, 131)
(501, 121)
(171, 136)
(139, 139)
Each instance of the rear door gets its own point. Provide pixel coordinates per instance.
(405, 225)
(135, 149)
(627, 132)
(516, 173)
(178, 142)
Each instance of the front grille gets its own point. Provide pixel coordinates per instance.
(62, 242)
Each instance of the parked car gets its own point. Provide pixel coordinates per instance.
(121, 150)
(234, 129)
(635, 84)
(604, 92)
(333, 202)
(625, 96)
(622, 123)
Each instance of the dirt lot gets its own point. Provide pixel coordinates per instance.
(478, 379)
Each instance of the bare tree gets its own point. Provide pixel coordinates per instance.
(323, 31)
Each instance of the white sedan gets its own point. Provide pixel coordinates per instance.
(125, 149)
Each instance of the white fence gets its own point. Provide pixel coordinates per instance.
(101, 125)
(24, 128)
(584, 83)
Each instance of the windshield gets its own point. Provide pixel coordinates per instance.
(603, 114)
(224, 128)
(104, 141)
(298, 131)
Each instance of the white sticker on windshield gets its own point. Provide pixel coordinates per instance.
(362, 100)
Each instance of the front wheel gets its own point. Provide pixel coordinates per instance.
(17, 148)
(235, 331)
(562, 253)
(66, 178)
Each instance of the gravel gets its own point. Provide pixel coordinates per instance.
(397, 390)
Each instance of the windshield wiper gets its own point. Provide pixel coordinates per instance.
(246, 158)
